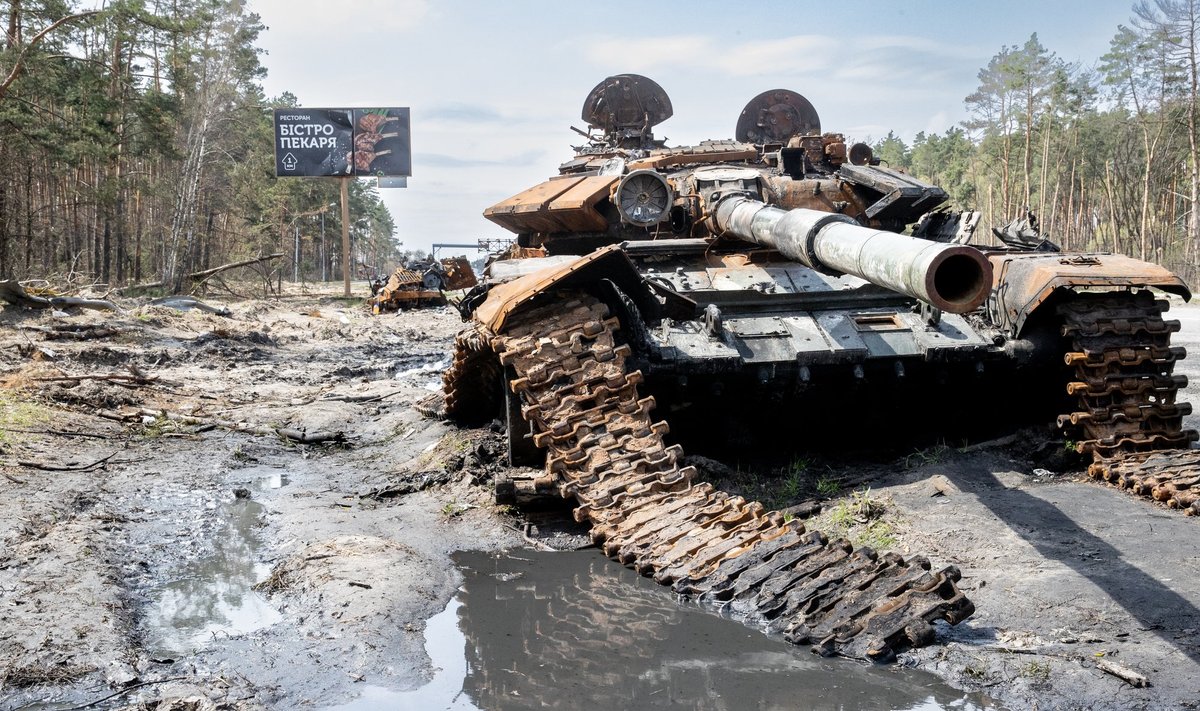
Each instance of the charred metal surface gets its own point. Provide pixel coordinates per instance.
(1170, 476)
(647, 511)
(1129, 417)
(1023, 281)
(1123, 363)
(951, 277)
(423, 284)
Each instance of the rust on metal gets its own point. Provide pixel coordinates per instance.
(647, 510)
(566, 204)
(406, 288)
(504, 299)
(1024, 281)
(1129, 418)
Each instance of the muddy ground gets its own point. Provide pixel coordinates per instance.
(129, 541)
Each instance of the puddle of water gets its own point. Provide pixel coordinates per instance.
(212, 595)
(428, 375)
(577, 631)
(444, 643)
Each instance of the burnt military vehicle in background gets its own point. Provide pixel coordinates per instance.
(768, 275)
(422, 283)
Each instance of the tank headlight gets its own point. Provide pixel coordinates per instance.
(644, 198)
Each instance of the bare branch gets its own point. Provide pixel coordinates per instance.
(19, 64)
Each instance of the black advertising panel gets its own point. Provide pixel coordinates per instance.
(313, 142)
(340, 142)
(382, 146)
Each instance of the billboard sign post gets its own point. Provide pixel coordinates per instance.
(343, 143)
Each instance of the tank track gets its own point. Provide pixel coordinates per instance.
(648, 512)
(470, 386)
(1129, 417)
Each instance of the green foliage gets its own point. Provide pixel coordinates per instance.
(861, 518)
(927, 456)
(17, 412)
(892, 151)
(146, 121)
(1037, 672)
(828, 486)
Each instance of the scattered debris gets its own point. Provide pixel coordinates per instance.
(1123, 673)
(12, 292)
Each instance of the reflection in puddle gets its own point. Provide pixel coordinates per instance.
(444, 643)
(427, 375)
(577, 631)
(213, 596)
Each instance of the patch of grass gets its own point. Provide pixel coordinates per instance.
(860, 519)
(976, 673)
(792, 485)
(930, 455)
(828, 486)
(157, 428)
(18, 412)
(241, 455)
(454, 509)
(1037, 672)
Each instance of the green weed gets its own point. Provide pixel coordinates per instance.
(18, 412)
(1038, 672)
(454, 509)
(930, 455)
(828, 486)
(859, 518)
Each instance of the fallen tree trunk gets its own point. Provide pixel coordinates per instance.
(202, 275)
(12, 292)
(291, 433)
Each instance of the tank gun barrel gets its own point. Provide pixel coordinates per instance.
(954, 278)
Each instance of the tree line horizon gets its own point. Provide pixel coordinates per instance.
(138, 142)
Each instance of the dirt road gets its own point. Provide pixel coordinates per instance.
(130, 542)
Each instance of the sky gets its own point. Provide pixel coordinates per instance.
(494, 86)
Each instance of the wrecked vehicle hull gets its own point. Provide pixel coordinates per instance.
(763, 276)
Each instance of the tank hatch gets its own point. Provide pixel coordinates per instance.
(626, 107)
(775, 116)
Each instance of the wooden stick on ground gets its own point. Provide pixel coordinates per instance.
(45, 466)
(291, 433)
(1123, 673)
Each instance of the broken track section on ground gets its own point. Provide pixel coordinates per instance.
(110, 509)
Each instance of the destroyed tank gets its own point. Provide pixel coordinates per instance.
(422, 283)
(762, 286)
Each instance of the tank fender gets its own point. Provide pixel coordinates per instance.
(1022, 282)
(505, 300)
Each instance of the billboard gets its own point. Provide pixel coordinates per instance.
(341, 142)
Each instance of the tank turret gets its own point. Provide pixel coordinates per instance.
(761, 291)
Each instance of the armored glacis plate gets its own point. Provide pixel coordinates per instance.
(626, 101)
(775, 116)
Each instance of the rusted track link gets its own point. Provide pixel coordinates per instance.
(1129, 417)
(647, 511)
(471, 384)
(1170, 476)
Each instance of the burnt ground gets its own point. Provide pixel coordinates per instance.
(128, 541)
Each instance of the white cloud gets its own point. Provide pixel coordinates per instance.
(335, 25)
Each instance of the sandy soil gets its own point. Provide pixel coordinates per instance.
(128, 546)
(112, 574)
